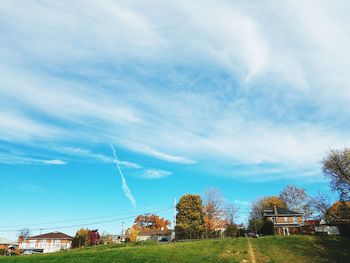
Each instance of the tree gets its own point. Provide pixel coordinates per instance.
(85, 237)
(231, 227)
(213, 211)
(319, 205)
(336, 167)
(267, 228)
(254, 225)
(231, 230)
(264, 203)
(190, 217)
(339, 212)
(132, 233)
(231, 214)
(257, 213)
(81, 238)
(24, 233)
(94, 237)
(151, 222)
(296, 200)
(106, 239)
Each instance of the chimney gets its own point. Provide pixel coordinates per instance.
(20, 239)
(275, 208)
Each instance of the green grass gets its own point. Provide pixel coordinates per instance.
(229, 250)
(301, 249)
(266, 249)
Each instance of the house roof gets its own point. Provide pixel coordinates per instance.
(155, 232)
(281, 211)
(52, 235)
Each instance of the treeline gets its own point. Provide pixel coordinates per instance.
(207, 218)
(336, 168)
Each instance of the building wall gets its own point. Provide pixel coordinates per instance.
(287, 230)
(153, 238)
(48, 245)
(286, 219)
(3, 246)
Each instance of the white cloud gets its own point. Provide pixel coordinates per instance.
(85, 153)
(19, 127)
(155, 174)
(22, 159)
(158, 154)
(219, 81)
(55, 162)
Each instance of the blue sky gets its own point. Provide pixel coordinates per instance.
(245, 97)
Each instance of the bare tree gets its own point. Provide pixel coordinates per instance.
(320, 204)
(297, 200)
(231, 214)
(213, 208)
(25, 233)
(336, 167)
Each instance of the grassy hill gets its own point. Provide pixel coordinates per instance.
(266, 249)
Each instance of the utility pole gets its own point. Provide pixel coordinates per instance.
(174, 216)
(122, 230)
(174, 212)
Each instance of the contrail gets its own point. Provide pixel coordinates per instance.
(124, 184)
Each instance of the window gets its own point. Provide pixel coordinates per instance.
(286, 219)
(274, 219)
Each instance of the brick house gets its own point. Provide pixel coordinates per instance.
(46, 243)
(7, 246)
(285, 221)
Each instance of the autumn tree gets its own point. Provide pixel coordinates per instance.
(190, 217)
(86, 237)
(94, 237)
(81, 238)
(213, 210)
(257, 212)
(151, 222)
(339, 212)
(264, 203)
(146, 222)
(296, 200)
(132, 233)
(336, 167)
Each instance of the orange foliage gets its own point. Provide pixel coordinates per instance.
(151, 222)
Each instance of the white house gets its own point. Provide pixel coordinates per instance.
(156, 235)
(46, 243)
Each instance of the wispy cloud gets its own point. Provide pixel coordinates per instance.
(155, 174)
(55, 162)
(16, 159)
(125, 187)
(85, 153)
(251, 83)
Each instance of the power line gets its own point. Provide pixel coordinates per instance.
(76, 220)
(87, 224)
